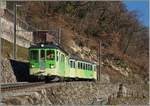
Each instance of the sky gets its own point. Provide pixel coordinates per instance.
(142, 6)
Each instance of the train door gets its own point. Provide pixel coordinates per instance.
(72, 68)
(42, 59)
(57, 61)
(62, 65)
(67, 74)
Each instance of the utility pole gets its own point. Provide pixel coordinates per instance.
(14, 43)
(99, 60)
(59, 35)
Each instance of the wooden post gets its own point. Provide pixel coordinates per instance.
(14, 43)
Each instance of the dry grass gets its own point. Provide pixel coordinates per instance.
(7, 50)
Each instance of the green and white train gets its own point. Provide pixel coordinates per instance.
(50, 61)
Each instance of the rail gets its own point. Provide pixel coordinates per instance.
(16, 86)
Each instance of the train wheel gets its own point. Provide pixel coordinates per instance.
(62, 79)
(32, 78)
(46, 79)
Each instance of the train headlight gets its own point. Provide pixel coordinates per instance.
(42, 45)
(32, 66)
(52, 66)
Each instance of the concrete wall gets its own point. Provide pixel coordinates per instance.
(23, 37)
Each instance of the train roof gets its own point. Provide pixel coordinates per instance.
(47, 45)
(77, 58)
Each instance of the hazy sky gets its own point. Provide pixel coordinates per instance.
(142, 7)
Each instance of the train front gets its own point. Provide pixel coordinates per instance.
(42, 61)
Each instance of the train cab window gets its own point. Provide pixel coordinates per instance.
(50, 54)
(42, 54)
(34, 54)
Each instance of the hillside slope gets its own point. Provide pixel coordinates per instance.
(124, 54)
(124, 39)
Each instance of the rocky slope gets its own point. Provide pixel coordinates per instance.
(7, 73)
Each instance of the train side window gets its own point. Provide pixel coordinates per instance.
(74, 64)
(84, 66)
(57, 56)
(62, 58)
(78, 65)
(67, 61)
(88, 66)
(71, 64)
(91, 67)
(81, 66)
(94, 68)
(34, 54)
(50, 54)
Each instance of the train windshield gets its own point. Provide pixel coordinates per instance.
(50, 54)
(34, 54)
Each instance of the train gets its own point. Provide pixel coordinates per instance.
(52, 62)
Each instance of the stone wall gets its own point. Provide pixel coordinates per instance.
(64, 93)
(72, 93)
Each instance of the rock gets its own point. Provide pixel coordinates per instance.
(7, 72)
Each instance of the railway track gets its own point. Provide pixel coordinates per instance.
(17, 86)
(24, 85)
